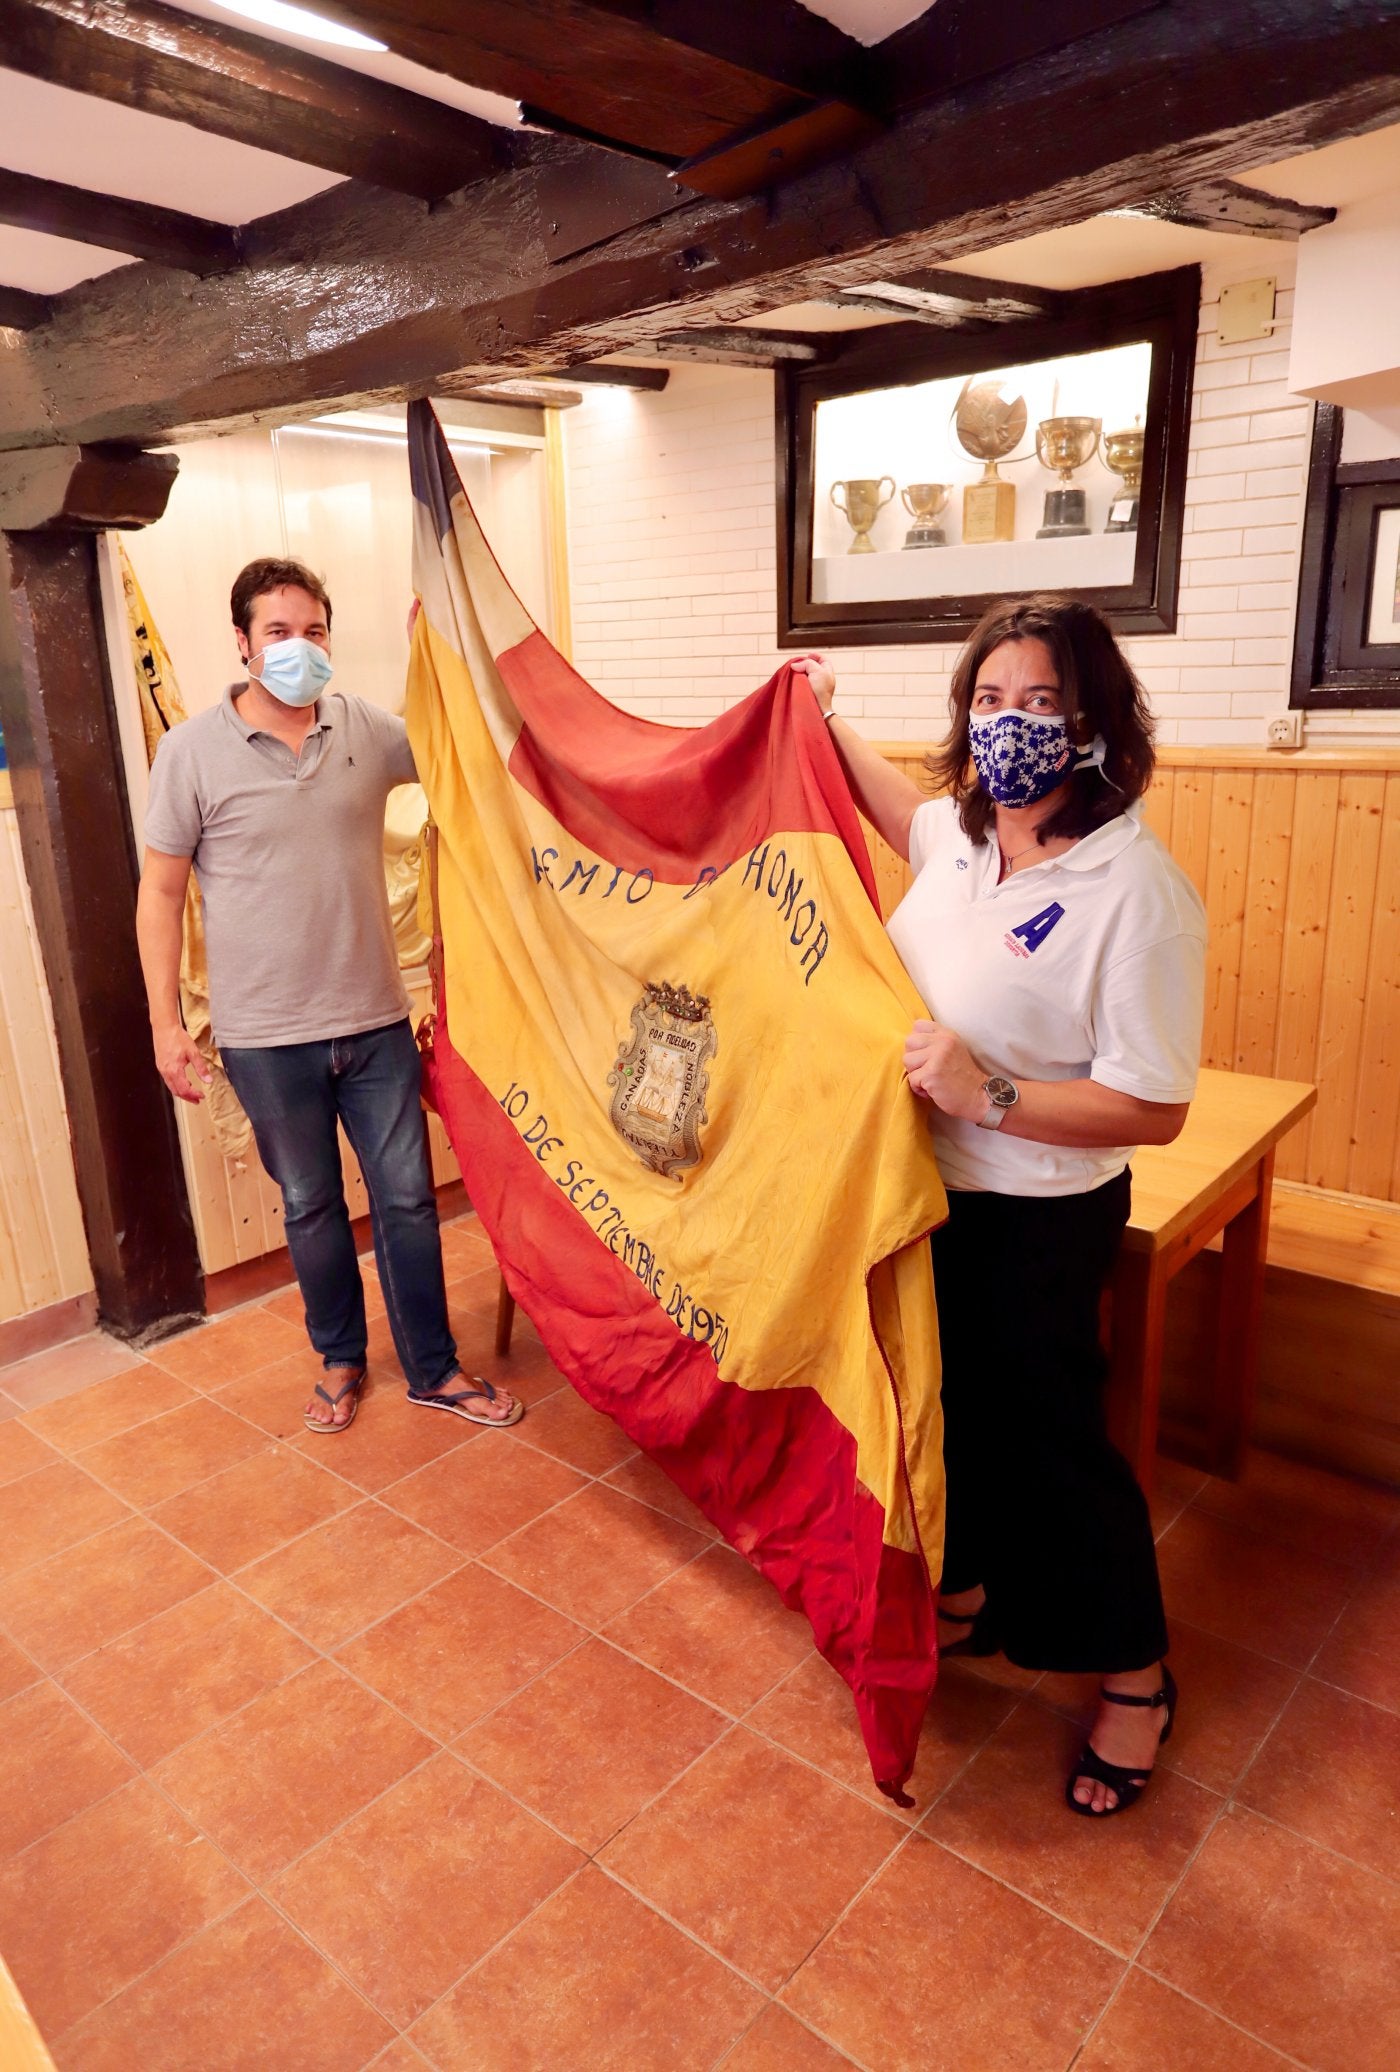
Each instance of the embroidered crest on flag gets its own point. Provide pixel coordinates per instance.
(660, 1079)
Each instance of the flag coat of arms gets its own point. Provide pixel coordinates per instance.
(668, 1054)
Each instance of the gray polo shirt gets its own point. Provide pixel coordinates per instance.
(289, 854)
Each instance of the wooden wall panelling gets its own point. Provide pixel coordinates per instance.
(1190, 839)
(43, 1248)
(1227, 877)
(1157, 806)
(1346, 950)
(1261, 947)
(1304, 948)
(1376, 1161)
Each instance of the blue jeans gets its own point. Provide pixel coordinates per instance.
(294, 1094)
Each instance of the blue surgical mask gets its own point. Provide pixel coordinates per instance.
(1021, 756)
(294, 671)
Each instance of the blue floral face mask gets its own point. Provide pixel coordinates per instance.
(294, 671)
(1020, 756)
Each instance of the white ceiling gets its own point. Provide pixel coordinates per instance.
(95, 143)
(869, 21)
(378, 64)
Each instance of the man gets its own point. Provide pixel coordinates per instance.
(276, 797)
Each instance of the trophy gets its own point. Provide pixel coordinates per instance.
(1122, 453)
(988, 427)
(925, 502)
(1064, 444)
(860, 504)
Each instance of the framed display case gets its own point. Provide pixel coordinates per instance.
(924, 473)
(1347, 640)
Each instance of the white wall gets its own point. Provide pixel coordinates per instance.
(671, 498)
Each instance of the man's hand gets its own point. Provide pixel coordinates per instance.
(941, 1068)
(820, 675)
(177, 1054)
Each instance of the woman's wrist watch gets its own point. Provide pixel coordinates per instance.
(1001, 1095)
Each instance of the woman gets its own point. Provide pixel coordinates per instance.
(1061, 954)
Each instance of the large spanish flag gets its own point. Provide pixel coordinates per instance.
(668, 1055)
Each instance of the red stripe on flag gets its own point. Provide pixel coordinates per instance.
(773, 1470)
(674, 799)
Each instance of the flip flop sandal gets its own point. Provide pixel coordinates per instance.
(352, 1387)
(455, 1404)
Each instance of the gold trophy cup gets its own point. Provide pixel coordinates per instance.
(1064, 444)
(925, 502)
(860, 504)
(1122, 453)
(988, 427)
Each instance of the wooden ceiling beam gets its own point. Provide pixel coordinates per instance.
(1226, 205)
(22, 310)
(612, 375)
(223, 79)
(670, 78)
(952, 301)
(960, 42)
(164, 236)
(366, 297)
(737, 345)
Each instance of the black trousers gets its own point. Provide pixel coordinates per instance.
(1042, 1510)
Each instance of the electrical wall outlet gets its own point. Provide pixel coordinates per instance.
(1285, 730)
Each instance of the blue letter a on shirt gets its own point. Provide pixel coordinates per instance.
(1033, 932)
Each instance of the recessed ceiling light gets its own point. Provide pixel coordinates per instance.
(299, 21)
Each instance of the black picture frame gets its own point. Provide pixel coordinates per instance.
(1334, 665)
(1161, 308)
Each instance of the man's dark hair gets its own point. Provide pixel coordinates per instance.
(1100, 695)
(259, 577)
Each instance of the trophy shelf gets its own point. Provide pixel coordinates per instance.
(894, 405)
(1094, 561)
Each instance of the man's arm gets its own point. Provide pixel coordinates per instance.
(160, 934)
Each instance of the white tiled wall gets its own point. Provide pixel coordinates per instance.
(671, 539)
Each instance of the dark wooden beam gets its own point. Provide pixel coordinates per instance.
(1227, 206)
(75, 835)
(223, 79)
(959, 42)
(22, 310)
(366, 297)
(615, 376)
(164, 236)
(671, 78)
(83, 486)
(777, 152)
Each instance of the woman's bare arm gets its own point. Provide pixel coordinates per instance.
(887, 798)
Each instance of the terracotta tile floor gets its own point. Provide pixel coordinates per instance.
(436, 1746)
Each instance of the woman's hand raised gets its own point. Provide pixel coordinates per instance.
(820, 675)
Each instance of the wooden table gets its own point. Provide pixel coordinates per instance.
(1215, 1180)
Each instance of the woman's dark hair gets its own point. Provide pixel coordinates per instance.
(261, 577)
(1099, 693)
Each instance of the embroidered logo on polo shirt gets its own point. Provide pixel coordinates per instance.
(1031, 934)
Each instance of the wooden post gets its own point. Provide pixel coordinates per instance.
(75, 833)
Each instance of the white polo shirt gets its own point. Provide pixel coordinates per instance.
(1090, 965)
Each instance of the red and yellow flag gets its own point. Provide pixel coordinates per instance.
(668, 1055)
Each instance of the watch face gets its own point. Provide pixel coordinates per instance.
(1001, 1092)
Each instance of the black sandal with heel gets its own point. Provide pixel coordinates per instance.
(981, 1637)
(1128, 1783)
